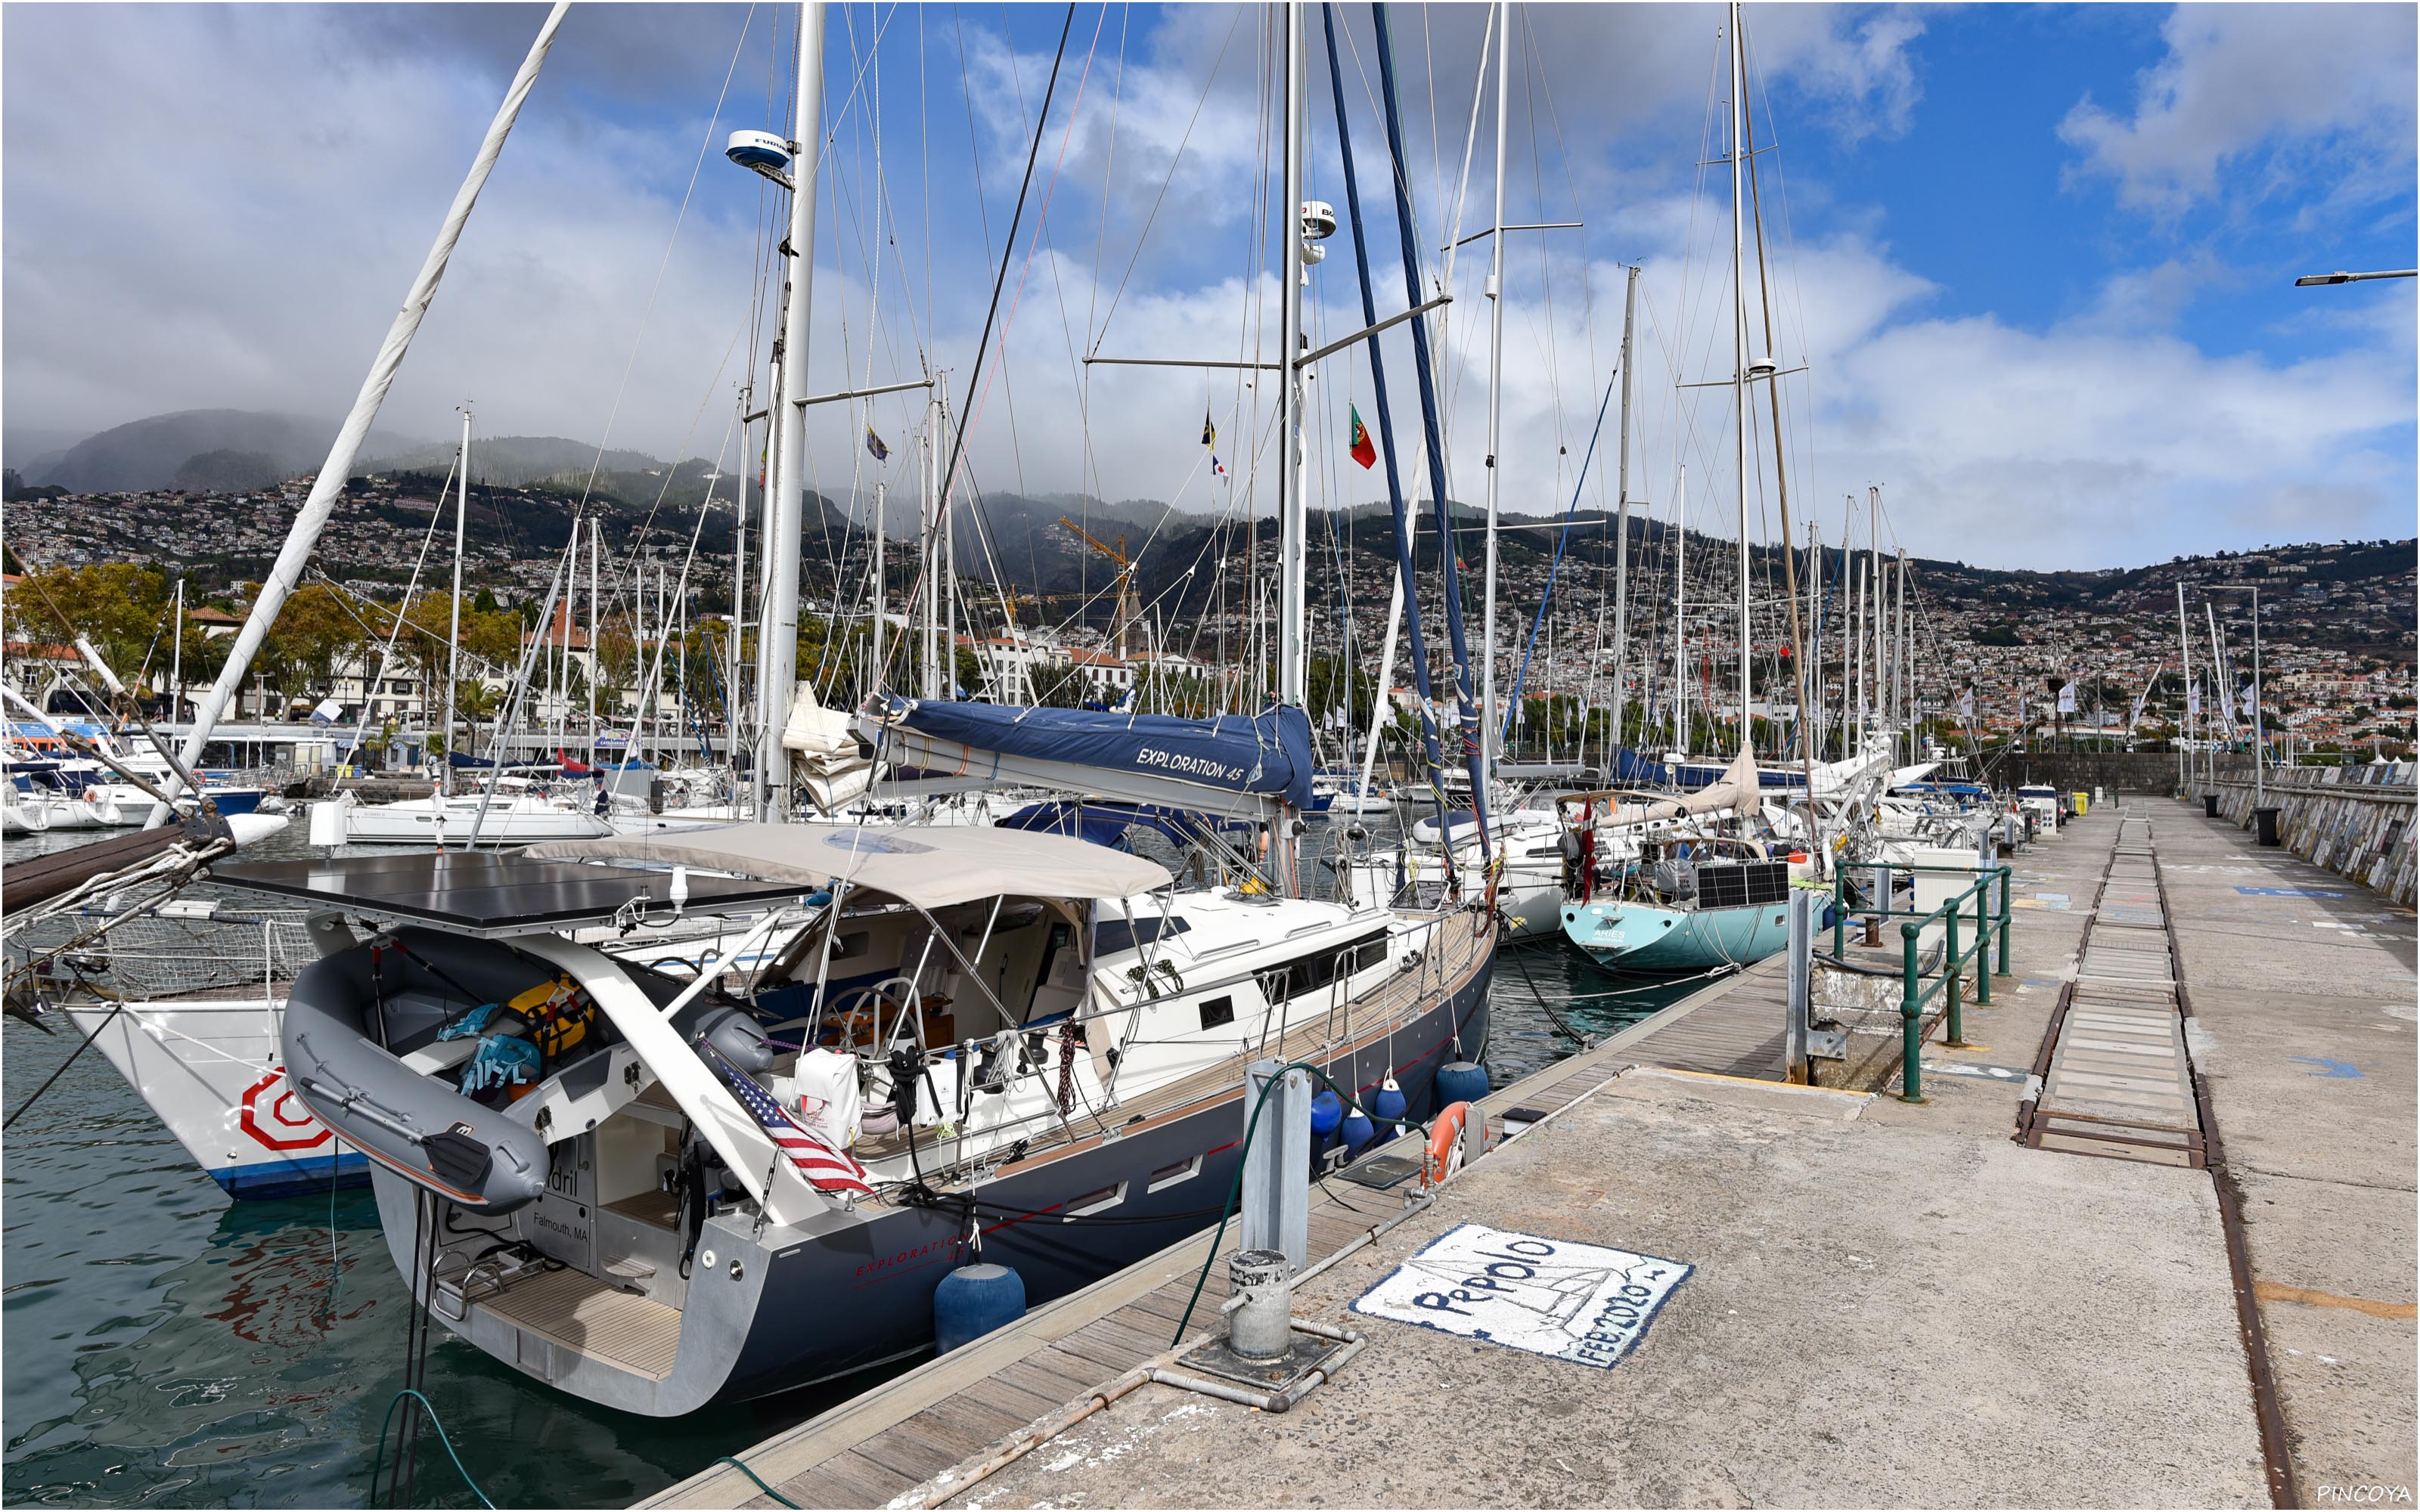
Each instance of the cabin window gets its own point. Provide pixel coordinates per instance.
(1101, 1201)
(1217, 1011)
(1308, 974)
(1117, 934)
(1168, 1176)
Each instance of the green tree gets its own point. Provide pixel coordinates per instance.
(617, 661)
(316, 633)
(119, 607)
(494, 637)
(427, 631)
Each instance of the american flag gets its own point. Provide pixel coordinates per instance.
(825, 1169)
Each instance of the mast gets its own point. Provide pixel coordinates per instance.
(596, 603)
(1781, 475)
(1903, 670)
(1853, 729)
(1621, 521)
(2185, 721)
(1680, 617)
(871, 679)
(738, 599)
(928, 604)
(949, 605)
(2259, 730)
(1739, 350)
(786, 510)
(454, 616)
(1488, 727)
(941, 423)
(176, 663)
(1294, 664)
(1294, 649)
(329, 482)
(1870, 702)
(1815, 717)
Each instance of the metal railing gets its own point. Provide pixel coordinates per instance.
(1990, 918)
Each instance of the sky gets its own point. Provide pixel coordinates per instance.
(2028, 270)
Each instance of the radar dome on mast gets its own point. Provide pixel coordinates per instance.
(761, 152)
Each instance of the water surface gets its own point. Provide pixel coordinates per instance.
(166, 1345)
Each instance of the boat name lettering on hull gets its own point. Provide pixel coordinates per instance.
(1178, 762)
(905, 1256)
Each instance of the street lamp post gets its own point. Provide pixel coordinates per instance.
(2314, 280)
(2260, 737)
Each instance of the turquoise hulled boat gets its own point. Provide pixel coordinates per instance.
(1706, 900)
(1644, 937)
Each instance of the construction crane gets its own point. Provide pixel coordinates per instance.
(1121, 625)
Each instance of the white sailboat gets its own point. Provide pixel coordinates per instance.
(1709, 900)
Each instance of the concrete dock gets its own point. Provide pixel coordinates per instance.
(1886, 1303)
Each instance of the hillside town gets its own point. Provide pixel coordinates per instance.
(1993, 649)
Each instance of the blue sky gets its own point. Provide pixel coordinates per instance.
(2037, 260)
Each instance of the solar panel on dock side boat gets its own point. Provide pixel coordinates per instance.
(481, 893)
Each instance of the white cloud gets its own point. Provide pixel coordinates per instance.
(243, 245)
(257, 264)
(1860, 69)
(2083, 446)
(2328, 86)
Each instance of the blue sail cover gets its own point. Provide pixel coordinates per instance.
(1266, 756)
(1631, 769)
(460, 763)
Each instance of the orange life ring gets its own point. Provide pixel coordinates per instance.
(1445, 1143)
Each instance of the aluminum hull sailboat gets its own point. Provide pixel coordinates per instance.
(1069, 1096)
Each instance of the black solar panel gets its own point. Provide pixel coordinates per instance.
(1743, 885)
(482, 892)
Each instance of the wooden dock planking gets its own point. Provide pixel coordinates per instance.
(1732, 1028)
(1034, 1374)
(846, 1479)
(1016, 1401)
(942, 1413)
(921, 1446)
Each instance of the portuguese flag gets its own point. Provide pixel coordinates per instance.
(1363, 451)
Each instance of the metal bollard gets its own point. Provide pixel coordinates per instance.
(1801, 967)
(1274, 1205)
(1911, 1009)
(1983, 940)
(2004, 920)
(1261, 1326)
(1953, 977)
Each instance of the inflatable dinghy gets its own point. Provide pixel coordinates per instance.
(418, 1047)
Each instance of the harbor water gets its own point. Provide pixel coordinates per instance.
(169, 1347)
